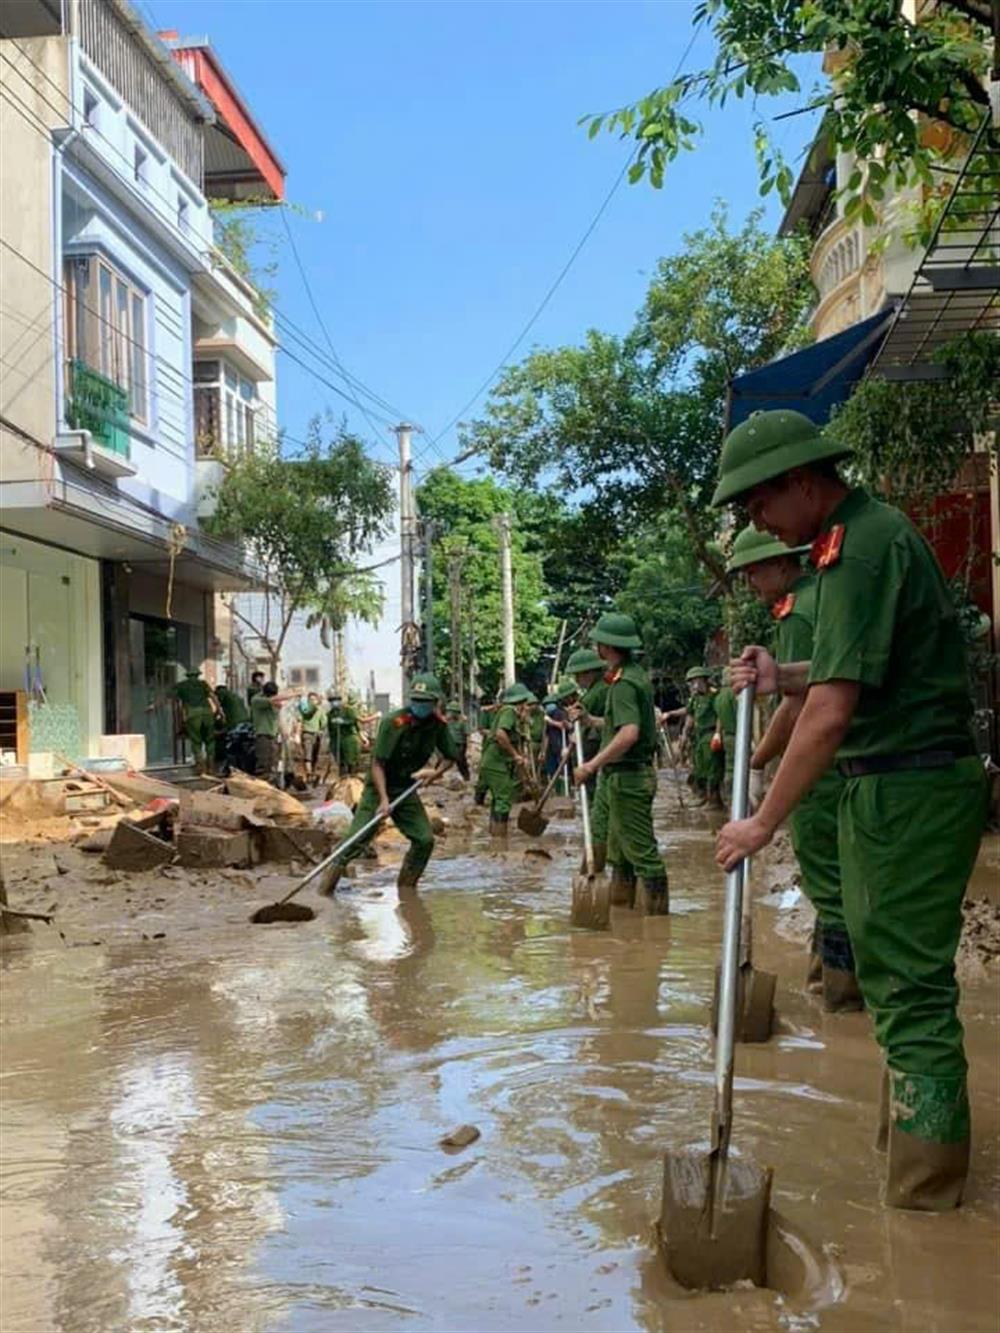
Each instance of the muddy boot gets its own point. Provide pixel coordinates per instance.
(927, 1173)
(622, 886)
(653, 898)
(499, 827)
(480, 796)
(882, 1123)
(814, 968)
(714, 799)
(841, 993)
(326, 884)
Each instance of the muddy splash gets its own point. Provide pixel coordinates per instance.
(232, 1128)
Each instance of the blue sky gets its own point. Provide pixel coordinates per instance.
(439, 142)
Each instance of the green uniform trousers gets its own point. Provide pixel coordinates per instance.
(709, 764)
(499, 777)
(599, 809)
(631, 840)
(350, 754)
(410, 818)
(728, 756)
(814, 830)
(908, 843)
(199, 727)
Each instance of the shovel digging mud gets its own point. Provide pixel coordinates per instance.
(714, 1214)
(284, 909)
(591, 905)
(530, 819)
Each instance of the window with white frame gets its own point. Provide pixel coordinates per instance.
(225, 410)
(105, 321)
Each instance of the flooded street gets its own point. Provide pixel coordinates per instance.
(236, 1128)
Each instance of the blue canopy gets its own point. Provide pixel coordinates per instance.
(813, 380)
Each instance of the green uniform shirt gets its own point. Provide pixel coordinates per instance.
(345, 720)
(505, 719)
(264, 715)
(702, 708)
(536, 726)
(233, 708)
(312, 723)
(793, 635)
(594, 701)
(725, 712)
(405, 743)
(459, 731)
(630, 699)
(886, 620)
(194, 694)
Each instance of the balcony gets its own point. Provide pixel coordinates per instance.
(97, 413)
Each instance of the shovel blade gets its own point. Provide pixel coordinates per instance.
(710, 1243)
(273, 913)
(531, 822)
(591, 906)
(754, 1004)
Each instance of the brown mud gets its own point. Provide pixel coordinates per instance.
(212, 1127)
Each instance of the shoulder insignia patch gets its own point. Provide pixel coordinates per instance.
(613, 677)
(825, 550)
(403, 720)
(783, 607)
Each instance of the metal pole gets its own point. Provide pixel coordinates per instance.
(507, 595)
(455, 607)
(429, 531)
(558, 657)
(404, 435)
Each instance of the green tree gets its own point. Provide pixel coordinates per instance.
(463, 511)
(888, 75)
(303, 521)
(624, 426)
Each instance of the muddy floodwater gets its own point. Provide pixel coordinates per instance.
(236, 1128)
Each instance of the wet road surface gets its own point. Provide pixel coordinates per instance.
(236, 1128)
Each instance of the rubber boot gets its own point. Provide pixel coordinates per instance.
(480, 796)
(499, 826)
(814, 969)
(922, 1173)
(409, 874)
(654, 896)
(622, 886)
(841, 993)
(714, 798)
(326, 885)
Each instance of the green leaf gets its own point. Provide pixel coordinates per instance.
(595, 127)
(636, 172)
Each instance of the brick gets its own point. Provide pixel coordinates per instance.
(133, 848)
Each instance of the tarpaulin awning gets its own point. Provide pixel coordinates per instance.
(813, 380)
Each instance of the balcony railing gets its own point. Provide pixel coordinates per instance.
(127, 65)
(98, 405)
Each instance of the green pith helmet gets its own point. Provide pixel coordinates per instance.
(616, 630)
(565, 689)
(518, 694)
(454, 706)
(584, 659)
(768, 444)
(425, 685)
(697, 673)
(752, 546)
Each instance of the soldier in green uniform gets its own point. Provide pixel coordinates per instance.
(626, 760)
(887, 697)
(264, 708)
(199, 708)
(587, 669)
(311, 718)
(459, 729)
(725, 733)
(707, 767)
(233, 714)
(406, 741)
(505, 764)
(774, 572)
(343, 726)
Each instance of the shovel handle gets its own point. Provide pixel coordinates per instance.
(588, 841)
(725, 1041)
(553, 780)
(348, 843)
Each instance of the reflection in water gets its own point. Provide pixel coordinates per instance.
(239, 1130)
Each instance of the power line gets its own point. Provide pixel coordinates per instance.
(554, 287)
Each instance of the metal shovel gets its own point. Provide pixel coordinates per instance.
(754, 989)
(713, 1219)
(284, 909)
(530, 819)
(591, 905)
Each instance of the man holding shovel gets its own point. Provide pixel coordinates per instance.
(626, 760)
(404, 745)
(887, 698)
(587, 669)
(774, 572)
(504, 765)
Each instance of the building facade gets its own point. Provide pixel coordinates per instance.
(134, 360)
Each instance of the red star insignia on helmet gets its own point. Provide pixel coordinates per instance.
(784, 607)
(825, 549)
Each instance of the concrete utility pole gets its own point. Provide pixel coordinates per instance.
(455, 633)
(429, 532)
(502, 522)
(408, 629)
